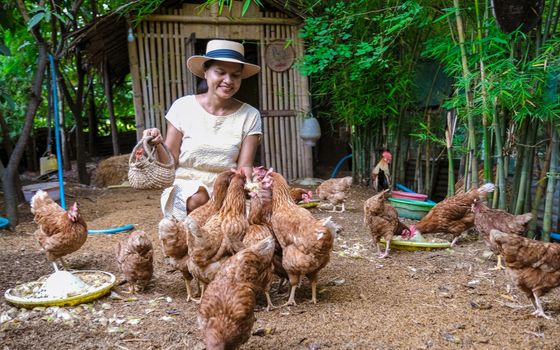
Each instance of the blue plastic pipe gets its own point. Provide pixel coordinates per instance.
(57, 133)
(59, 154)
(4, 222)
(339, 164)
(112, 230)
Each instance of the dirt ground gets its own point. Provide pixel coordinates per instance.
(410, 300)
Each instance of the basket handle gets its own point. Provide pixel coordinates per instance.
(150, 152)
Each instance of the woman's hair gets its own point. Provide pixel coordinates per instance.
(208, 64)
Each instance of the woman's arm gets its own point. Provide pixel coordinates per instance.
(247, 154)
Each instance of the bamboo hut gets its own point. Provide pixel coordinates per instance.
(157, 50)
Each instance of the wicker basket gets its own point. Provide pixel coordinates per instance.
(147, 172)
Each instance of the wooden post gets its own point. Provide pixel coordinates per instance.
(109, 97)
(136, 87)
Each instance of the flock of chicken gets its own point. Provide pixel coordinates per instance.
(234, 255)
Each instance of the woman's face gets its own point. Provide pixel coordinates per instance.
(223, 78)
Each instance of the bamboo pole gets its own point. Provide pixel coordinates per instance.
(159, 74)
(222, 20)
(472, 132)
(539, 192)
(136, 87)
(173, 62)
(500, 197)
(525, 178)
(149, 77)
(166, 74)
(551, 186)
(141, 37)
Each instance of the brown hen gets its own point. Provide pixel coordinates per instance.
(60, 232)
(135, 259)
(383, 220)
(486, 219)
(453, 215)
(534, 266)
(226, 314)
(334, 191)
(221, 237)
(306, 242)
(173, 237)
(219, 190)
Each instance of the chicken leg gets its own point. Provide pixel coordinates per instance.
(314, 289)
(539, 312)
(499, 265)
(269, 304)
(387, 248)
(64, 264)
(292, 299)
(189, 290)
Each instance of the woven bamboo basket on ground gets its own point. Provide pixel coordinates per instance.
(145, 171)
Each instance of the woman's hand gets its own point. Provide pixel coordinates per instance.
(155, 134)
(265, 194)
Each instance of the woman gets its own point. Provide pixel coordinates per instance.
(210, 132)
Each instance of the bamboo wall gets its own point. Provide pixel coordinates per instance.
(158, 55)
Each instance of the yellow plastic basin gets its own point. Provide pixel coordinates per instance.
(105, 280)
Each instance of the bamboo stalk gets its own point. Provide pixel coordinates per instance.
(166, 74)
(141, 38)
(519, 163)
(551, 186)
(525, 177)
(499, 199)
(539, 192)
(472, 132)
(159, 71)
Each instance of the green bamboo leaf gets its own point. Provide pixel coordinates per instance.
(35, 20)
(245, 7)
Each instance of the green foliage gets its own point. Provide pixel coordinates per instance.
(353, 58)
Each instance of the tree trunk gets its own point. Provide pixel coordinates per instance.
(92, 121)
(76, 106)
(9, 181)
(109, 97)
(6, 140)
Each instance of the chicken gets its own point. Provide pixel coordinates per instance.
(306, 242)
(453, 215)
(60, 232)
(486, 219)
(221, 237)
(534, 266)
(135, 259)
(300, 194)
(173, 238)
(205, 211)
(334, 191)
(380, 176)
(383, 220)
(226, 308)
(173, 233)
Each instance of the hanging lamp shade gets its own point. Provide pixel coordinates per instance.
(310, 131)
(513, 14)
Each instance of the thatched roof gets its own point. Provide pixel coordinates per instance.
(106, 37)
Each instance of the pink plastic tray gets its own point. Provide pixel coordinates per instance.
(409, 195)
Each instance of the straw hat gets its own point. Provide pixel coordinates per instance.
(222, 50)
